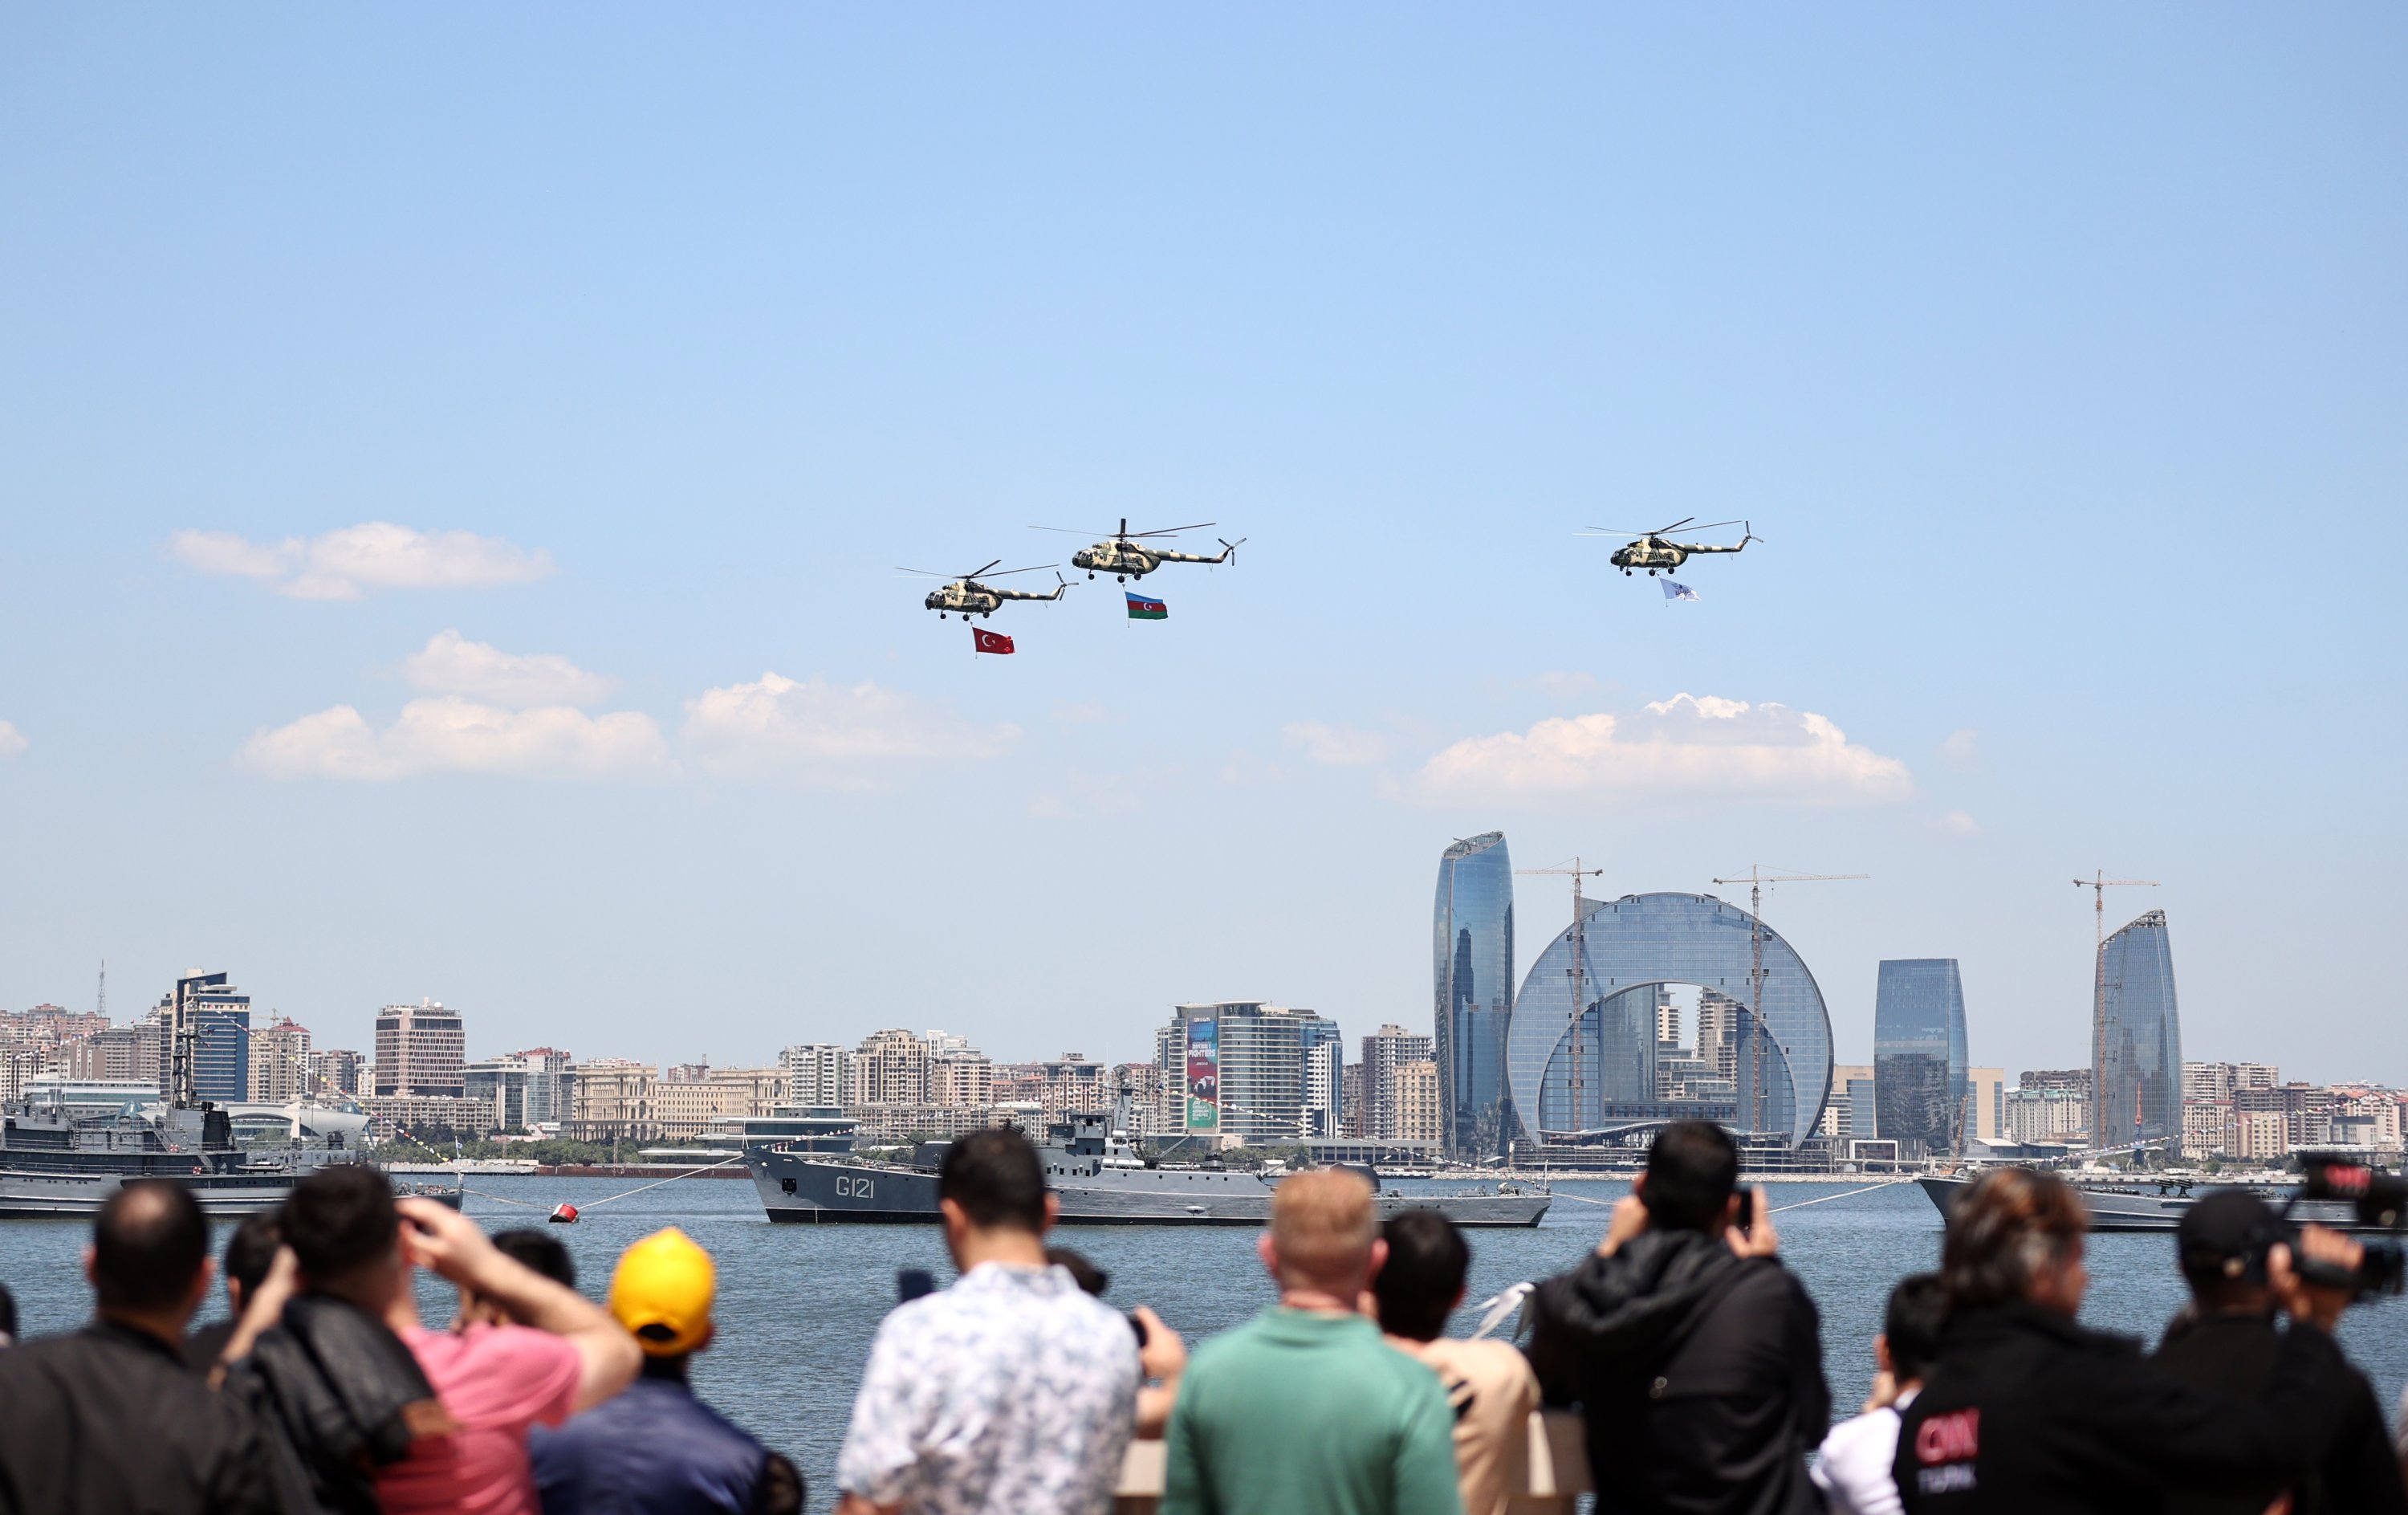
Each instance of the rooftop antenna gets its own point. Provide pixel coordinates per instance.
(1756, 880)
(100, 1002)
(2099, 883)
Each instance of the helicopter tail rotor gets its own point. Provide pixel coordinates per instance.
(1229, 549)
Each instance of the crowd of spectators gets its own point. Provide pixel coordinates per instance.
(1692, 1353)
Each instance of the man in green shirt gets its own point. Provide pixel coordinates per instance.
(1306, 1410)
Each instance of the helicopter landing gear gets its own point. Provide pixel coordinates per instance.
(1091, 575)
(1651, 574)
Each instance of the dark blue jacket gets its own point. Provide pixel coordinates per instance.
(655, 1450)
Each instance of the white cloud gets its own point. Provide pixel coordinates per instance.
(451, 664)
(12, 741)
(1687, 746)
(847, 736)
(375, 554)
(1962, 750)
(1338, 746)
(448, 734)
(1957, 823)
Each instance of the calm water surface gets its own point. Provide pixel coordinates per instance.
(799, 1303)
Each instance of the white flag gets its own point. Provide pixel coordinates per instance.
(1678, 591)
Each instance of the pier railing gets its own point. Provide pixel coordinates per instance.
(1552, 1470)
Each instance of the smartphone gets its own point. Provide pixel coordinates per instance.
(912, 1283)
(1746, 1220)
(1139, 1326)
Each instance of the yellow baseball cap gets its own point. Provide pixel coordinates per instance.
(662, 1292)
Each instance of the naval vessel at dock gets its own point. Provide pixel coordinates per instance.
(812, 1178)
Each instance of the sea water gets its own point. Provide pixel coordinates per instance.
(799, 1303)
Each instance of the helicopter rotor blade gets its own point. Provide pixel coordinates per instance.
(975, 572)
(1071, 532)
(1171, 531)
(982, 573)
(1709, 526)
(922, 572)
(1674, 527)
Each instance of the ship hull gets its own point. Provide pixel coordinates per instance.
(805, 1190)
(28, 1194)
(2142, 1208)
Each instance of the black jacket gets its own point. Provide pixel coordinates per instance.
(108, 1420)
(339, 1396)
(1700, 1376)
(2233, 1355)
(2026, 1410)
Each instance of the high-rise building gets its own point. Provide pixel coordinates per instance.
(815, 1076)
(1919, 1083)
(614, 1101)
(1586, 1063)
(1244, 1070)
(116, 1055)
(1137, 1100)
(214, 1019)
(961, 1080)
(422, 1050)
(1851, 1111)
(1473, 963)
(1415, 1107)
(280, 1062)
(337, 1070)
(1384, 1051)
(889, 1067)
(2136, 1058)
(692, 1102)
(525, 1089)
(1989, 1120)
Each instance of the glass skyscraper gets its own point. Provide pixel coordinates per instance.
(1472, 945)
(1919, 1079)
(1588, 1063)
(2136, 1067)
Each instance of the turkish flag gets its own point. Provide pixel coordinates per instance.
(985, 641)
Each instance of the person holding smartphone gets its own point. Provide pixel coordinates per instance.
(1696, 1357)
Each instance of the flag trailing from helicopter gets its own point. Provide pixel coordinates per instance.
(983, 640)
(1142, 608)
(1678, 591)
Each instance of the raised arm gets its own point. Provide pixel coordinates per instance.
(455, 1246)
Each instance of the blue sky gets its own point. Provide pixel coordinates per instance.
(2058, 353)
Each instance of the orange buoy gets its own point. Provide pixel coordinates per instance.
(565, 1215)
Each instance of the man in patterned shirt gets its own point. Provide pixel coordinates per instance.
(1013, 1392)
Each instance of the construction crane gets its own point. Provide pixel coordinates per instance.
(1578, 971)
(1756, 880)
(2099, 883)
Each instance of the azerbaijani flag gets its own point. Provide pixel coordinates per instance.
(1142, 608)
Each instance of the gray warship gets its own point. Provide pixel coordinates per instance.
(812, 1179)
(2153, 1203)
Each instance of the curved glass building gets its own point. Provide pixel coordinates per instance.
(1581, 1055)
(1919, 1081)
(2137, 1065)
(1473, 966)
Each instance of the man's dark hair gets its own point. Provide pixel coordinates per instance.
(539, 1250)
(339, 1219)
(1918, 1306)
(251, 1252)
(148, 1246)
(995, 1176)
(1418, 1285)
(1692, 1170)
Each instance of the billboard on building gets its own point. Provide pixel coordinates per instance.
(1204, 1075)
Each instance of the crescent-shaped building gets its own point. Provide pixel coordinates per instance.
(1586, 1072)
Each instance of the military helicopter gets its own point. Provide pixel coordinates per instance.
(1127, 555)
(1654, 554)
(972, 596)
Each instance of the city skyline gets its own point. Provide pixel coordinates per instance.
(454, 556)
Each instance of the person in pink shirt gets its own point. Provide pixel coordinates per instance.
(558, 1354)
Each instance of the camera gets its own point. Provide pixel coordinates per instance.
(2380, 1201)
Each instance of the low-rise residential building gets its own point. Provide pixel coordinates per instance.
(688, 1101)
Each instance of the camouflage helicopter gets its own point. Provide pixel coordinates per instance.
(969, 594)
(1654, 554)
(1127, 555)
